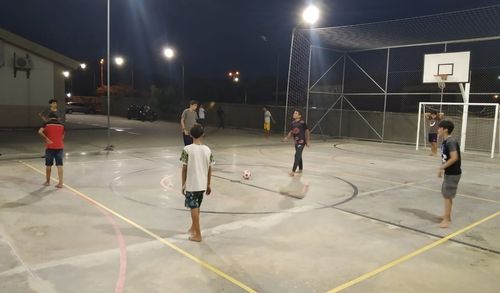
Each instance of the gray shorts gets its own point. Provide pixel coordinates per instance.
(450, 184)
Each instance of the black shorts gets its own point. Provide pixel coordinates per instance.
(187, 139)
(193, 199)
(52, 155)
(433, 137)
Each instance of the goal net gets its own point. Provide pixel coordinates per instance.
(476, 125)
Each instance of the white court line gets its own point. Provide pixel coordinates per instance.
(462, 195)
(422, 187)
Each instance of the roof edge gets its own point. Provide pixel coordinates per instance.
(37, 49)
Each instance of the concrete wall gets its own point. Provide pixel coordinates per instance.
(21, 99)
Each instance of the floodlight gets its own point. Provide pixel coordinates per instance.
(311, 14)
(119, 61)
(169, 53)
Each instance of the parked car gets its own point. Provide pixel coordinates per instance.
(79, 107)
(143, 113)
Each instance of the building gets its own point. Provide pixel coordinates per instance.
(30, 75)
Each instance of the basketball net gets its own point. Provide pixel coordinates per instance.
(441, 78)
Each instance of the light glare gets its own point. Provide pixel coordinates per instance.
(119, 61)
(169, 53)
(311, 14)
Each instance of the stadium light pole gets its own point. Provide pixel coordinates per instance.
(169, 53)
(66, 75)
(108, 147)
(264, 38)
(310, 16)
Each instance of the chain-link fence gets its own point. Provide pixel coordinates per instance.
(372, 90)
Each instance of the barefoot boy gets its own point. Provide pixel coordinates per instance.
(451, 167)
(197, 162)
(301, 136)
(53, 133)
(433, 118)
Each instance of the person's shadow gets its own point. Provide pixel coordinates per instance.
(424, 215)
(33, 197)
(295, 188)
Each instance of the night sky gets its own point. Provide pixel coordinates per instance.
(212, 36)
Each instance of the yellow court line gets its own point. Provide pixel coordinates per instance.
(155, 236)
(410, 255)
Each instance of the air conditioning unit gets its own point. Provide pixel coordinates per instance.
(23, 64)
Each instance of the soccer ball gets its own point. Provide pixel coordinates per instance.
(246, 174)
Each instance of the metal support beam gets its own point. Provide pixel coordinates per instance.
(288, 84)
(308, 82)
(385, 92)
(366, 121)
(366, 73)
(328, 70)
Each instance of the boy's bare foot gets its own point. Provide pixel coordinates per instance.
(59, 185)
(195, 238)
(292, 174)
(444, 224)
(190, 232)
(46, 183)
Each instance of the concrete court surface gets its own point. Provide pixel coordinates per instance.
(361, 218)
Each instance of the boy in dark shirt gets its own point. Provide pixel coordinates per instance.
(44, 115)
(451, 167)
(301, 135)
(53, 133)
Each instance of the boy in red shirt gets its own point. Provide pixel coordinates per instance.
(53, 133)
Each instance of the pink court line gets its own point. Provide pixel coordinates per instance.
(179, 250)
(163, 183)
(120, 282)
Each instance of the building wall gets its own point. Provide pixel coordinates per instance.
(21, 99)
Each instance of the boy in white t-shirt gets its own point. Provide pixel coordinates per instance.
(197, 162)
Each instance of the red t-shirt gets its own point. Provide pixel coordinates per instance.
(55, 132)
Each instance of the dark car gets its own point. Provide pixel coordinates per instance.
(79, 107)
(143, 113)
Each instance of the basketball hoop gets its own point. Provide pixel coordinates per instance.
(441, 80)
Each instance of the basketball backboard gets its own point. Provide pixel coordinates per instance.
(446, 67)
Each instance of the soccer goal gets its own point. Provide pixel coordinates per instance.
(476, 124)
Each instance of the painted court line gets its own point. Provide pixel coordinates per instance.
(410, 255)
(418, 186)
(155, 236)
(459, 194)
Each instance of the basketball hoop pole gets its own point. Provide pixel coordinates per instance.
(465, 95)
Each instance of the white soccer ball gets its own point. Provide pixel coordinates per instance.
(246, 174)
